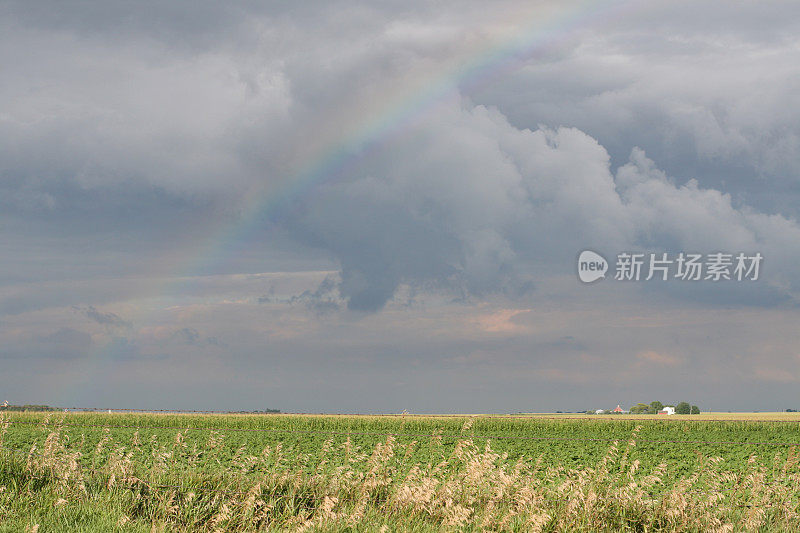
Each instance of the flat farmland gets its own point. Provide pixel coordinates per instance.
(563, 472)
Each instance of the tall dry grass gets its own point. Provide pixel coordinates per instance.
(144, 485)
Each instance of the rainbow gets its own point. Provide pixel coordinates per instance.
(535, 31)
(395, 114)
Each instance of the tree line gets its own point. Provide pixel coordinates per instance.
(6, 407)
(683, 408)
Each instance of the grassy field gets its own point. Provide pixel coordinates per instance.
(177, 472)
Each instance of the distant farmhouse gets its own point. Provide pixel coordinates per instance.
(617, 410)
(667, 410)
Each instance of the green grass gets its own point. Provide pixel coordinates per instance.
(254, 432)
(133, 472)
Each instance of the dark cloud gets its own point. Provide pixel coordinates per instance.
(192, 337)
(324, 299)
(103, 318)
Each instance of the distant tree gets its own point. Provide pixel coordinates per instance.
(655, 407)
(26, 407)
(264, 412)
(791, 410)
(695, 410)
(683, 408)
(640, 408)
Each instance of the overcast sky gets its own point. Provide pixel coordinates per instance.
(351, 206)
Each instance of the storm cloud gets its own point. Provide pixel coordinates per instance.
(230, 188)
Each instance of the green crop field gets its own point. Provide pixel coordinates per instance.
(178, 472)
